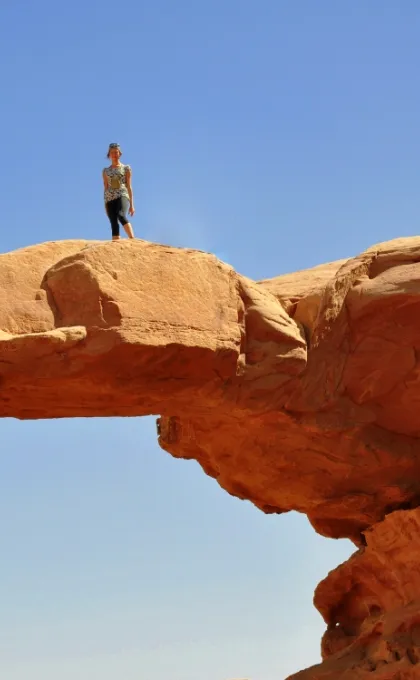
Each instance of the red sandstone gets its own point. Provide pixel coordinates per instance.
(297, 393)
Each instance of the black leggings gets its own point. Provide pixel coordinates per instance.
(117, 211)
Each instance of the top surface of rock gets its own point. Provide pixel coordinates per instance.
(298, 392)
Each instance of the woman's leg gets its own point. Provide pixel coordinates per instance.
(122, 216)
(129, 230)
(112, 210)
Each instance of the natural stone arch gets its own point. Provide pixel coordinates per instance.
(296, 393)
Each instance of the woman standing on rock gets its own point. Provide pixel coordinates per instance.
(118, 193)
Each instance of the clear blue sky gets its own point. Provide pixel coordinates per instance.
(277, 134)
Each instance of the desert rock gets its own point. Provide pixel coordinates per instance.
(295, 393)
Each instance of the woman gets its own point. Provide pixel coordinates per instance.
(118, 193)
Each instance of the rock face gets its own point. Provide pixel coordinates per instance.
(297, 393)
(372, 607)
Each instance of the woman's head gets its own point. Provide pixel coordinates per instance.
(114, 152)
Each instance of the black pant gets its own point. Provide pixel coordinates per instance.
(117, 210)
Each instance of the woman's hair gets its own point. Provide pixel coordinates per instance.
(114, 146)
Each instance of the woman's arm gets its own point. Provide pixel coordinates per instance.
(129, 189)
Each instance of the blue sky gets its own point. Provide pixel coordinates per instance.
(276, 134)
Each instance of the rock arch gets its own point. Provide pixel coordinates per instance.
(297, 393)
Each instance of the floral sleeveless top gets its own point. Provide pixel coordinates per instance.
(116, 182)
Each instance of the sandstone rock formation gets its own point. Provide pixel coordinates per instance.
(297, 393)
